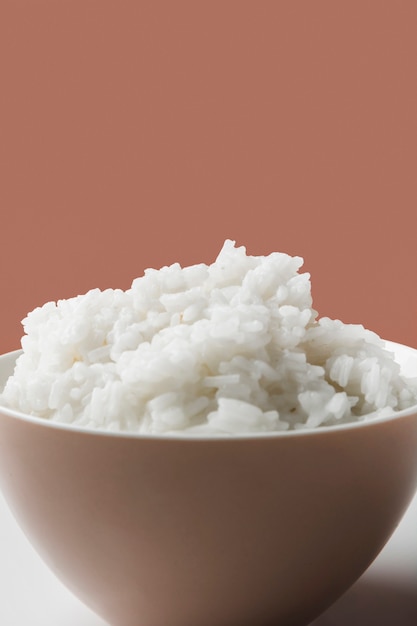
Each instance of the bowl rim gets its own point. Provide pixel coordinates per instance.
(191, 437)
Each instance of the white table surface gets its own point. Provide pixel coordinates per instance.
(30, 595)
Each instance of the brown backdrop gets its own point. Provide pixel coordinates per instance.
(136, 134)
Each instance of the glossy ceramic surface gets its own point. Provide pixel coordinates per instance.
(234, 532)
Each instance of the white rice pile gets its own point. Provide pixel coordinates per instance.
(233, 347)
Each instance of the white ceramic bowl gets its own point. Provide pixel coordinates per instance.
(242, 531)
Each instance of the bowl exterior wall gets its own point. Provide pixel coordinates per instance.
(177, 531)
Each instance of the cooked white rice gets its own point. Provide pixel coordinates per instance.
(233, 347)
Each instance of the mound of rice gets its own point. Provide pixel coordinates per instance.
(233, 347)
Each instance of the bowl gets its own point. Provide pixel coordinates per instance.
(263, 530)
